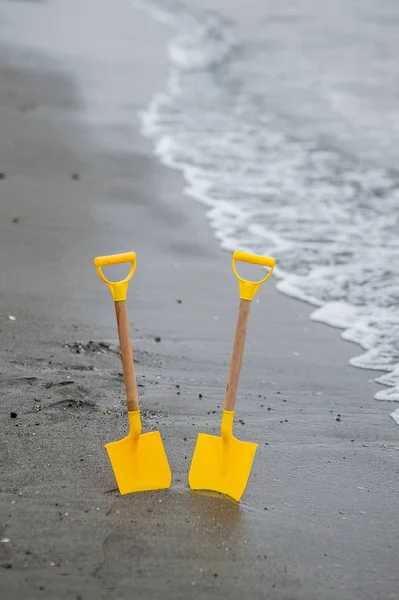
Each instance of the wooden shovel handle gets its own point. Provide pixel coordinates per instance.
(236, 359)
(129, 375)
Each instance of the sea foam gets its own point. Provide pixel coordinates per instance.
(329, 218)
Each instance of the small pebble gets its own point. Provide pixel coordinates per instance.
(2, 175)
(200, 396)
(158, 339)
(14, 415)
(338, 418)
(11, 317)
(16, 220)
(75, 176)
(179, 301)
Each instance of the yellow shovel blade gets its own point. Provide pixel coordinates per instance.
(222, 464)
(139, 461)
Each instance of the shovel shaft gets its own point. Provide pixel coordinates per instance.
(236, 359)
(129, 375)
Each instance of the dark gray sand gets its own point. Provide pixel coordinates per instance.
(319, 516)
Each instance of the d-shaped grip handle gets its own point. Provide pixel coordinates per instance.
(248, 289)
(118, 289)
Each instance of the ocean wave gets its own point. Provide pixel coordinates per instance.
(330, 219)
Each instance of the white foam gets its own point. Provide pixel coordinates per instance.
(336, 314)
(395, 416)
(327, 218)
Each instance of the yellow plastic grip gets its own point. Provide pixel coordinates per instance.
(248, 289)
(118, 289)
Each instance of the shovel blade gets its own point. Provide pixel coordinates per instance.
(140, 463)
(221, 465)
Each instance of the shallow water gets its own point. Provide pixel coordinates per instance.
(287, 129)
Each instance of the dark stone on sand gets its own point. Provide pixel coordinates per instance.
(338, 418)
(2, 175)
(158, 339)
(91, 347)
(16, 220)
(75, 176)
(14, 415)
(200, 396)
(179, 301)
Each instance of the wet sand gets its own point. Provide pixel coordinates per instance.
(319, 516)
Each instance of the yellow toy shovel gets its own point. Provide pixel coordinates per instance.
(139, 461)
(223, 464)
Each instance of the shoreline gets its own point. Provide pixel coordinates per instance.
(317, 519)
(165, 137)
